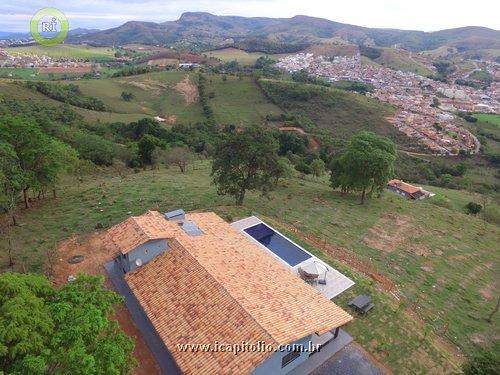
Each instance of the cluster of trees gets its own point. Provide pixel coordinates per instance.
(135, 70)
(127, 96)
(304, 77)
(70, 94)
(472, 83)
(356, 86)
(434, 172)
(366, 165)
(29, 159)
(250, 160)
(444, 68)
(370, 52)
(246, 160)
(467, 116)
(284, 92)
(484, 361)
(44, 330)
(202, 92)
(268, 46)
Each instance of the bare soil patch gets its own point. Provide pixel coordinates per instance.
(95, 254)
(187, 90)
(388, 233)
(488, 291)
(392, 231)
(171, 120)
(65, 69)
(347, 257)
(148, 85)
(163, 62)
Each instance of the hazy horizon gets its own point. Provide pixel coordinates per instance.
(378, 14)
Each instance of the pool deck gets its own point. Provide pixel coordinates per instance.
(336, 282)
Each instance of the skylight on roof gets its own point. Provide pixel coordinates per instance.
(191, 228)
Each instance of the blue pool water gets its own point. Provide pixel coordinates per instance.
(279, 245)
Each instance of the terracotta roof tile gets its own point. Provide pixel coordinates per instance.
(222, 287)
(410, 189)
(137, 230)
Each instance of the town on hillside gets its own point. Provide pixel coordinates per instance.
(424, 106)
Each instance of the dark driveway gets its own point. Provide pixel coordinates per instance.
(349, 361)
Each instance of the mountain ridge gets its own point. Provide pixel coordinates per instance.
(203, 31)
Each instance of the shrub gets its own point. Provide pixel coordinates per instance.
(473, 208)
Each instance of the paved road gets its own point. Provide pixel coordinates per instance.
(349, 361)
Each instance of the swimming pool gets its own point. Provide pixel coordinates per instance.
(279, 245)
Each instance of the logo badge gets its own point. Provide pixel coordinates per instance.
(49, 26)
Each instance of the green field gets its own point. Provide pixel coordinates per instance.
(238, 101)
(18, 73)
(443, 261)
(490, 118)
(157, 94)
(402, 60)
(243, 57)
(65, 50)
(481, 75)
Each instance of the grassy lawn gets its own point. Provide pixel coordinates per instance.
(19, 73)
(488, 117)
(65, 50)
(443, 261)
(481, 75)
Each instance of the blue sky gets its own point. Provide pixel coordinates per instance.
(425, 15)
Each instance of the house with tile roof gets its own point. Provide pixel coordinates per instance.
(215, 301)
(407, 190)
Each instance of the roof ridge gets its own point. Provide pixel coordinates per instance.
(137, 225)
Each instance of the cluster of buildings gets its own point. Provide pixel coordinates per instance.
(22, 60)
(424, 105)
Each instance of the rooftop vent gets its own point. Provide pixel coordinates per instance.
(191, 228)
(175, 215)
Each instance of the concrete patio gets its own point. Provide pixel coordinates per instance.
(336, 282)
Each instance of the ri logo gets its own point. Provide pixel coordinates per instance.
(49, 26)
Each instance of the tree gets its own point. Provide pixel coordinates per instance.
(318, 167)
(292, 142)
(147, 145)
(366, 164)
(473, 208)
(127, 96)
(483, 362)
(11, 179)
(44, 330)
(246, 160)
(179, 156)
(41, 158)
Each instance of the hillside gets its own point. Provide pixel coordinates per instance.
(440, 258)
(172, 95)
(204, 31)
(335, 112)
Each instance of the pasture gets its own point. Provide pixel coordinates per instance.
(65, 50)
(442, 262)
(243, 57)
